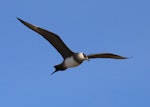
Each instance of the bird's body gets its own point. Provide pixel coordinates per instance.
(72, 62)
(71, 59)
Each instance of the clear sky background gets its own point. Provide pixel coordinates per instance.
(89, 26)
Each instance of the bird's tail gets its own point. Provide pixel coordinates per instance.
(58, 68)
(53, 72)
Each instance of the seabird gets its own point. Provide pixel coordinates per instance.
(71, 59)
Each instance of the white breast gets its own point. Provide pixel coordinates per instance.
(70, 62)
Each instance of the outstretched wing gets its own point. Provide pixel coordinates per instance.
(54, 39)
(106, 55)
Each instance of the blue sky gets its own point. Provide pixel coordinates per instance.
(89, 26)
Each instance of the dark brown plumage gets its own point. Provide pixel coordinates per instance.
(54, 39)
(71, 59)
(106, 55)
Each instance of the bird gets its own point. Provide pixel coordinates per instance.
(70, 58)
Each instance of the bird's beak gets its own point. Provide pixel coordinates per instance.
(87, 59)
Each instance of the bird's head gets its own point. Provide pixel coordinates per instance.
(82, 56)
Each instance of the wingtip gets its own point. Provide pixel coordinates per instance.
(17, 18)
(127, 57)
(20, 19)
(122, 57)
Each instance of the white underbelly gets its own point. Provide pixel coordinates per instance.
(70, 62)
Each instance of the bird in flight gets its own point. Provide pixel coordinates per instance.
(71, 59)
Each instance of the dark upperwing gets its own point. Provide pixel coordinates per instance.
(54, 39)
(106, 55)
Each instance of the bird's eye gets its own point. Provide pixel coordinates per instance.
(84, 55)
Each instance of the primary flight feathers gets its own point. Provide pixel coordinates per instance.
(71, 59)
(52, 38)
(106, 55)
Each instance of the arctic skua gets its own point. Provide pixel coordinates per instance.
(71, 59)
